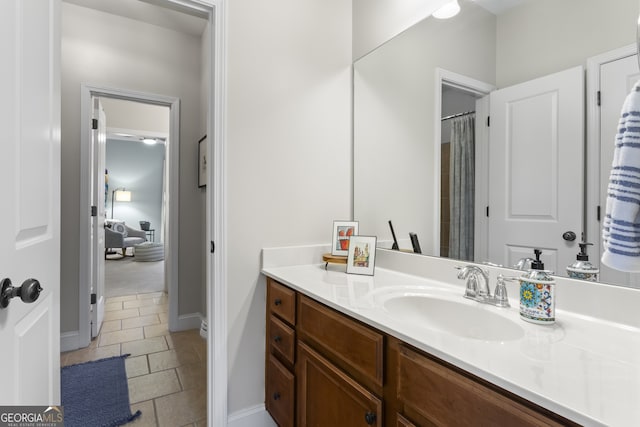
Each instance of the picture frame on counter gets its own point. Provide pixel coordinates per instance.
(342, 231)
(361, 255)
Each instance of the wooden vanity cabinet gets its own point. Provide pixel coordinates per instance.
(324, 368)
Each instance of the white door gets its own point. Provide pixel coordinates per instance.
(536, 170)
(616, 80)
(30, 194)
(98, 199)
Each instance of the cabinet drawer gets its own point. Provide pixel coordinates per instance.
(281, 301)
(280, 393)
(282, 340)
(352, 346)
(329, 397)
(436, 394)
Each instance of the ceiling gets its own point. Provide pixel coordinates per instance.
(151, 12)
(499, 6)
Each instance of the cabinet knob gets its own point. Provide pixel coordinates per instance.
(276, 396)
(370, 418)
(277, 338)
(278, 301)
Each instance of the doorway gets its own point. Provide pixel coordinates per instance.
(457, 173)
(458, 97)
(135, 197)
(169, 211)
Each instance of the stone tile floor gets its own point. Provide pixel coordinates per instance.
(167, 371)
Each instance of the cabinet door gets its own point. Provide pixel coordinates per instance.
(328, 397)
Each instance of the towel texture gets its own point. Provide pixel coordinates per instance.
(621, 227)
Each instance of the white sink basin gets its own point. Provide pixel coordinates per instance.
(473, 320)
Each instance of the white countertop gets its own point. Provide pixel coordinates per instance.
(583, 368)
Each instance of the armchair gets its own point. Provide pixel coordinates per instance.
(122, 236)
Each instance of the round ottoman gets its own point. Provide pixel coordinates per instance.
(149, 251)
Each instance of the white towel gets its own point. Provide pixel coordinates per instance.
(621, 226)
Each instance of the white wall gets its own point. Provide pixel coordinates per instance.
(377, 21)
(289, 154)
(545, 36)
(112, 51)
(394, 108)
(123, 114)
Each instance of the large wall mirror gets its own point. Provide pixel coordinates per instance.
(487, 61)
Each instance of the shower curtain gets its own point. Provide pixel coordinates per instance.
(462, 187)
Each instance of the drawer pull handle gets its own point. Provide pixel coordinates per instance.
(278, 301)
(276, 396)
(277, 338)
(370, 418)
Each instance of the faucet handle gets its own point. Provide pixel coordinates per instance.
(500, 294)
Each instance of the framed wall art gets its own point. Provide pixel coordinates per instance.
(342, 230)
(362, 255)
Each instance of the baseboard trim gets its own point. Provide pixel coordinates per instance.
(189, 321)
(255, 416)
(69, 341)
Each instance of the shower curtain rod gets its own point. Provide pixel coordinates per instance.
(466, 113)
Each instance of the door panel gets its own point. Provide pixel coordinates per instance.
(30, 218)
(544, 156)
(616, 80)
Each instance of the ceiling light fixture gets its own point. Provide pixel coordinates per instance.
(448, 10)
(150, 141)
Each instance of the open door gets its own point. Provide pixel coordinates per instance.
(99, 193)
(537, 144)
(30, 217)
(616, 80)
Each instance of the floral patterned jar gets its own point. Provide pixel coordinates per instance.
(537, 297)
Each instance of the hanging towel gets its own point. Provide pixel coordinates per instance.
(621, 226)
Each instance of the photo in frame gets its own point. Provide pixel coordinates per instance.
(362, 255)
(342, 230)
(202, 162)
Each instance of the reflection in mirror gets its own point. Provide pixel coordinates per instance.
(405, 88)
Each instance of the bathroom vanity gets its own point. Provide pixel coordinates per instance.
(404, 348)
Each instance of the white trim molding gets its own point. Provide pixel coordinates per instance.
(255, 416)
(217, 219)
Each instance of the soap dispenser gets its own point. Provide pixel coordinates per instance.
(583, 269)
(537, 293)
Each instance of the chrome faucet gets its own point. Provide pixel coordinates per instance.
(477, 286)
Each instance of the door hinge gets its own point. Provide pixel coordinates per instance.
(598, 213)
(94, 124)
(488, 121)
(94, 299)
(487, 211)
(94, 211)
(598, 100)
(213, 247)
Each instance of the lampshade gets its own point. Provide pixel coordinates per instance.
(448, 10)
(123, 196)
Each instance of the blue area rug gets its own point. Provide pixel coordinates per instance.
(96, 393)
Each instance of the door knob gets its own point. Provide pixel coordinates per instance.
(28, 292)
(569, 236)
